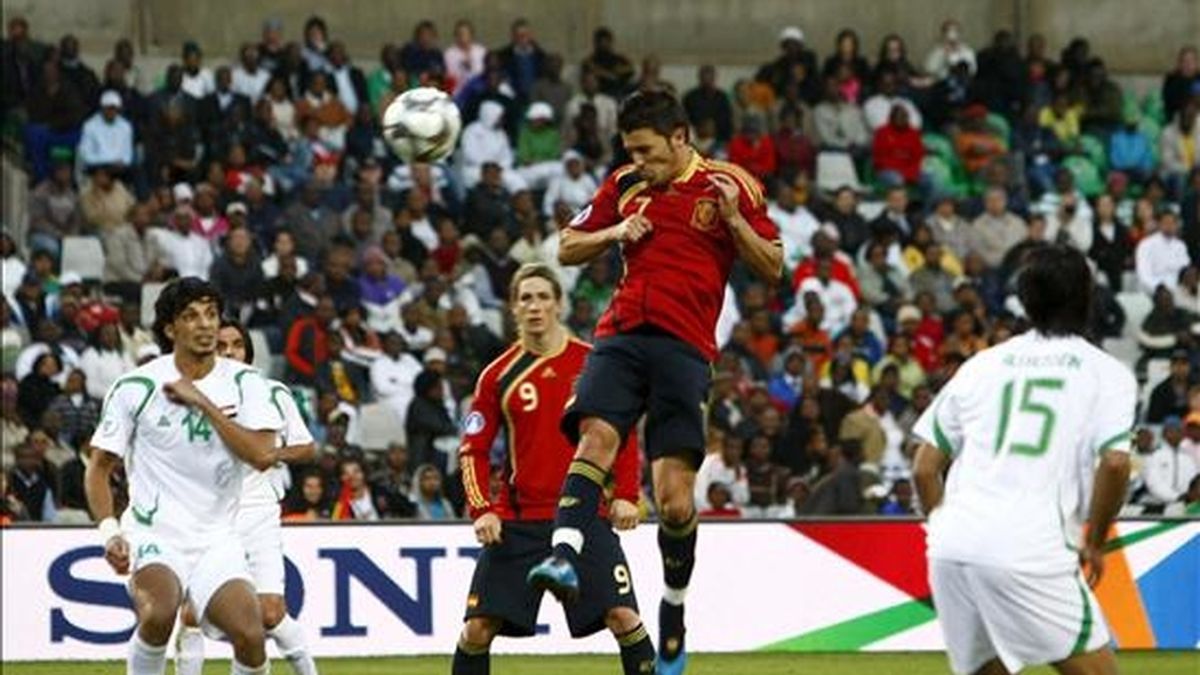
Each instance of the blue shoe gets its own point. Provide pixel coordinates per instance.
(673, 667)
(558, 576)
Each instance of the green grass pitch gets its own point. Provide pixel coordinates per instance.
(1137, 663)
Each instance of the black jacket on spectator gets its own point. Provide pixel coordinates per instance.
(838, 493)
(71, 494)
(487, 208)
(62, 109)
(1001, 79)
(218, 115)
(782, 71)
(1166, 401)
(32, 490)
(712, 104)
(239, 285)
(853, 229)
(357, 376)
(22, 68)
(1111, 256)
(34, 394)
(427, 420)
(1175, 91)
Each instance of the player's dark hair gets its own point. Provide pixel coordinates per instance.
(1055, 287)
(173, 300)
(227, 322)
(534, 271)
(655, 110)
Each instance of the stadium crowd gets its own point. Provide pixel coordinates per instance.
(907, 192)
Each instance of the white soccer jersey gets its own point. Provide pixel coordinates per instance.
(183, 480)
(1025, 422)
(266, 488)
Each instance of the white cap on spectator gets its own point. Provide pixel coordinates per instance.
(183, 192)
(908, 313)
(236, 207)
(110, 99)
(435, 354)
(540, 111)
(791, 33)
(69, 278)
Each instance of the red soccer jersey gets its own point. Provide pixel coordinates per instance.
(675, 276)
(526, 394)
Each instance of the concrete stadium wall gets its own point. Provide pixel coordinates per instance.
(726, 32)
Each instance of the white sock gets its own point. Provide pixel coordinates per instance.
(569, 536)
(239, 669)
(189, 651)
(289, 637)
(145, 659)
(674, 596)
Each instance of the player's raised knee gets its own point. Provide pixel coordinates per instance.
(157, 621)
(597, 439)
(479, 631)
(676, 509)
(247, 637)
(621, 620)
(273, 610)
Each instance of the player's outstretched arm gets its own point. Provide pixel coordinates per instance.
(577, 247)
(99, 497)
(1108, 493)
(256, 448)
(928, 469)
(298, 454)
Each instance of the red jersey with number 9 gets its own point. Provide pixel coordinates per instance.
(525, 394)
(675, 276)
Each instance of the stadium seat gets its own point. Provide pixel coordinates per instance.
(1136, 306)
(150, 293)
(939, 145)
(999, 124)
(834, 170)
(1093, 147)
(1087, 176)
(379, 426)
(83, 256)
(262, 353)
(942, 176)
(1152, 106)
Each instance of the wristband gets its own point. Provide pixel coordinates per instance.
(109, 528)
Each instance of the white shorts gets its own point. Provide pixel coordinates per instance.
(1023, 619)
(202, 567)
(259, 529)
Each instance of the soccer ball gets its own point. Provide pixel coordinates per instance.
(422, 125)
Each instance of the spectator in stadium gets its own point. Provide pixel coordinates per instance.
(795, 149)
(1111, 249)
(1182, 83)
(1161, 256)
(336, 373)
(78, 413)
(898, 150)
(1180, 146)
(312, 224)
(997, 230)
(840, 123)
(884, 285)
(932, 277)
(878, 107)
(308, 342)
(54, 210)
(393, 375)
(848, 65)
(179, 249)
(309, 501)
(724, 466)
(605, 108)
(1129, 150)
(976, 142)
(1101, 100)
(421, 55)
(795, 65)
(105, 202)
(1170, 397)
(485, 141)
(1187, 293)
(428, 495)
(522, 59)
(56, 110)
(464, 57)
(1169, 471)
(838, 489)
(250, 78)
(107, 137)
(38, 388)
(348, 80)
(550, 87)
(836, 297)
(237, 274)
(331, 114)
(104, 361)
(797, 225)
(948, 227)
(22, 61)
(31, 486)
(651, 78)
(573, 187)
(752, 148)
(949, 50)
(431, 432)
(539, 151)
(614, 71)
(1001, 76)
(1063, 118)
(706, 101)
(198, 81)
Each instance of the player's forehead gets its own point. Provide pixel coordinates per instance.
(200, 306)
(535, 287)
(644, 137)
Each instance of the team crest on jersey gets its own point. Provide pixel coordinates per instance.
(581, 216)
(474, 423)
(704, 215)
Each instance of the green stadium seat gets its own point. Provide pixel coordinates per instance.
(1152, 106)
(1000, 125)
(939, 145)
(1087, 177)
(943, 176)
(1093, 147)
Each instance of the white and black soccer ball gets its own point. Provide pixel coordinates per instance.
(422, 125)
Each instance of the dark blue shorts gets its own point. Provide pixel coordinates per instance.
(651, 373)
